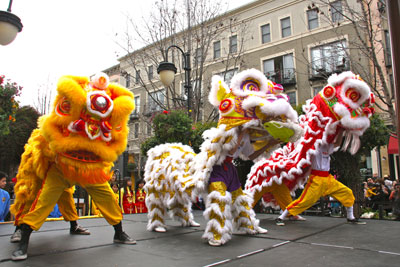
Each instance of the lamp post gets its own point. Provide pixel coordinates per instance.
(10, 25)
(167, 71)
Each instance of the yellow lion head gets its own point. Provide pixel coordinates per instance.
(87, 128)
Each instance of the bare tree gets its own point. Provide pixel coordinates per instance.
(42, 104)
(193, 25)
(369, 22)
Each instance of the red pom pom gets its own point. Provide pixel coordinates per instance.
(79, 125)
(367, 111)
(165, 112)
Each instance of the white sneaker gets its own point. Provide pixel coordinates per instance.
(261, 230)
(214, 243)
(160, 229)
(193, 224)
(297, 218)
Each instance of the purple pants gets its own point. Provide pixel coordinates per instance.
(227, 174)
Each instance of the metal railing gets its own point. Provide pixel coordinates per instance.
(285, 76)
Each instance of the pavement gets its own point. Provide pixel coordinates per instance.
(319, 241)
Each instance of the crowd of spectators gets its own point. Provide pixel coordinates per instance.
(383, 192)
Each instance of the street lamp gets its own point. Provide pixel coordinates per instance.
(10, 25)
(167, 71)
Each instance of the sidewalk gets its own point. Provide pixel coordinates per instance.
(319, 241)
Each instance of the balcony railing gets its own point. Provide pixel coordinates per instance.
(285, 76)
(134, 115)
(323, 72)
(151, 108)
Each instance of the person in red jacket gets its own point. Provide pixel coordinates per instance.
(128, 197)
(140, 198)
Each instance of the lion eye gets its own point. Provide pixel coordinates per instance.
(353, 95)
(63, 107)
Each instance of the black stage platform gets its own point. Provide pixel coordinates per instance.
(319, 241)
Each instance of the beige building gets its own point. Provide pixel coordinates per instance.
(295, 43)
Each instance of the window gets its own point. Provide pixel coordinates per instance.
(227, 75)
(388, 51)
(312, 18)
(316, 90)
(156, 101)
(285, 26)
(136, 131)
(149, 129)
(198, 57)
(137, 106)
(391, 84)
(265, 33)
(336, 11)
(292, 98)
(150, 73)
(217, 49)
(329, 58)
(137, 79)
(280, 69)
(233, 44)
(127, 80)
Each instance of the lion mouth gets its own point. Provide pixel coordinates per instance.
(84, 156)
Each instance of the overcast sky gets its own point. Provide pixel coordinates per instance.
(76, 37)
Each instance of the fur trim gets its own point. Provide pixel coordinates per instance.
(218, 90)
(242, 223)
(212, 223)
(264, 84)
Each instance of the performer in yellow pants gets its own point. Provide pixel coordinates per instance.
(52, 190)
(53, 187)
(67, 208)
(321, 184)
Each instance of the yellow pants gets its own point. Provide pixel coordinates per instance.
(280, 192)
(52, 190)
(66, 205)
(318, 186)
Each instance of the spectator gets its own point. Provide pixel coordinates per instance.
(55, 213)
(128, 197)
(395, 197)
(113, 178)
(388, 182)
(370, 189)
(115, 188)
(140, 200)
(4, 197)
(383, 190)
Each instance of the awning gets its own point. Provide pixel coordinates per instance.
(393, 147)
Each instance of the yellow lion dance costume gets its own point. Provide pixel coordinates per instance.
(77, 143)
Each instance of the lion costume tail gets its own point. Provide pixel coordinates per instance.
(33, 168)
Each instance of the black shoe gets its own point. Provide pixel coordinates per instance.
(123, 238)
(22, 251)
(355, 221)
(279, 222)
(78, 230)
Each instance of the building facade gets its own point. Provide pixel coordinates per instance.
(295, 43)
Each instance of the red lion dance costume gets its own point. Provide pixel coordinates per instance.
(345, 103)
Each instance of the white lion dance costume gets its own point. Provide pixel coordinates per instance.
(345, 103)
(175, 175)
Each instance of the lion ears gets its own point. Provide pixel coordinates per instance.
(245, 83)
